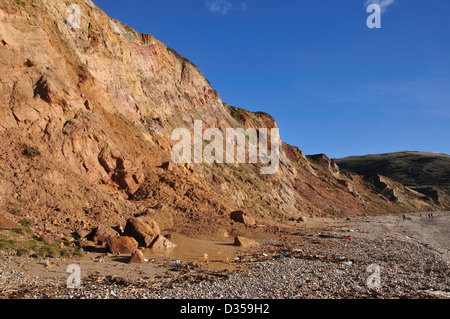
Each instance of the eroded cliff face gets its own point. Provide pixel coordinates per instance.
(86, 117)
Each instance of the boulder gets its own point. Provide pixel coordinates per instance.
(241, 217)
(102, 233)
(162, 243)
(245, 242)
(82, 233)
(122, 245)
(143, 229)
(137, 257)
(6, 222)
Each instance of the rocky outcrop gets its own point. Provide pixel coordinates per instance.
(325, 162)
(121, 170)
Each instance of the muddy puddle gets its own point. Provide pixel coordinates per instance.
(213, 255)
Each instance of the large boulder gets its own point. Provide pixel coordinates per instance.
(241, 217)
(122, 245)
(143, 229)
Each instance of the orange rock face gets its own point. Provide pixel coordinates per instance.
(100, 104)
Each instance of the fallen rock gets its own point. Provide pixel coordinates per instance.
(241, 217)
(82, 233)
(7, 223)
(84, 243)
(245, 242)
(168, 166)
(143, 229)
(102, 233)
(162, 243)
(137, 257)
(122, 245)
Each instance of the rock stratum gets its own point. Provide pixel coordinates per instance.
(86, 117)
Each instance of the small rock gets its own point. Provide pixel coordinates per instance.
(137, 257)
(84, 243)
(7, 223)
(162, 243)
(168, 166)
(245, 242)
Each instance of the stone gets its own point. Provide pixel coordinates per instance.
(7, 223)
(107, 161)
(102, 233)
(168, 166)
(137, 257)
(162, 243)
(122, 245)
(302, 219)
(143, 229)
(82, 233)
(241, 217)
(84, 243)
(245, 242)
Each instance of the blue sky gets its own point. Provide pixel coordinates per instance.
(333, 85)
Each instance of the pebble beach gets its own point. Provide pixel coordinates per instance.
(381, 257)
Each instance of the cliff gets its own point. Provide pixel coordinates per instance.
(86, 117)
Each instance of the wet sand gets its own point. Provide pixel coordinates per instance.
(210, 254)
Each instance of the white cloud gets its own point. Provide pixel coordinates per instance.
(382, 3)
(223, 6)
